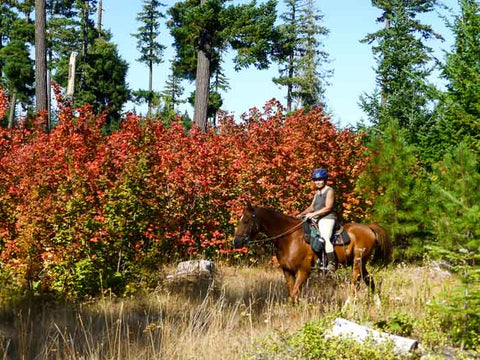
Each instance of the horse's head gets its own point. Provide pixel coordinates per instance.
(247, 228)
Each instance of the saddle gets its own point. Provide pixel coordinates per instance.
(339, 235)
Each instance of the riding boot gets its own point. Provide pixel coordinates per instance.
(332, 263)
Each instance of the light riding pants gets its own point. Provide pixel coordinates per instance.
(326, 229)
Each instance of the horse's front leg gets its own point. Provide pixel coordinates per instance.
(300, 278)
(290, 279)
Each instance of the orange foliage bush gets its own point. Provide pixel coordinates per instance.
(3, 103)
(75, 203)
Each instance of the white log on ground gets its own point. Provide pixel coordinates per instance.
(348, 329)
(195, 267)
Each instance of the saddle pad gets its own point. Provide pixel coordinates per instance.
(341, 238)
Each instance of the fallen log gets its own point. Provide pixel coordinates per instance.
(348, 329)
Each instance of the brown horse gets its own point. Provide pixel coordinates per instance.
(296, 257)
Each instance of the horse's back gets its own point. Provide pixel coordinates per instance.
(367, 237)
(359, 231)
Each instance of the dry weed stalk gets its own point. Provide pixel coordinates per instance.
(174, 322)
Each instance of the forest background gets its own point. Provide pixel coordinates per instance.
(92, 198)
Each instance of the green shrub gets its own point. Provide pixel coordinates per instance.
(310, 342)
(458, 312)
(397, 323)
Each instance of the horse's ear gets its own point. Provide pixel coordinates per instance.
(249, 206)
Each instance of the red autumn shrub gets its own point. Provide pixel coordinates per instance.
(4, 103)
(77, 206)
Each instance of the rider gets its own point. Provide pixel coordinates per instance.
(321, 210)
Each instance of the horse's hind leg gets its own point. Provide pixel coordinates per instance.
(368, 279)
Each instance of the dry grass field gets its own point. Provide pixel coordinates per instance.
(202, 319)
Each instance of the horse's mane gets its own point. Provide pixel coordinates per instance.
(277, 213)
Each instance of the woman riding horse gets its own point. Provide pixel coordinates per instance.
(321, 211)
(296, 257)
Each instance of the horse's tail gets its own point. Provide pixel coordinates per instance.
(384, 250)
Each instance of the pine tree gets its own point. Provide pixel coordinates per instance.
(63, 35)
(454, 216)
(207, 28)
(102, 72)
(18, 74)
(7, 18)
(16, 35)
(104, 81)
(454, 207)
(301, 59)
(150, 49)
(459, 106)
(403, 65)
(173, 91)
(390, 184)
(219, 83)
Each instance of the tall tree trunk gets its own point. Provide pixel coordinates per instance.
(85, 12)
(11, 116)
(99, 20)
(85, 29)
(40, 56)
(150, 87)
(202, 90)
(290, 85)
(49, 73)
(1, 47)
(291, 64)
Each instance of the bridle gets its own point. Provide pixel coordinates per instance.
(248, 235)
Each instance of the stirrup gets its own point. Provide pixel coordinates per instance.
(331, 267)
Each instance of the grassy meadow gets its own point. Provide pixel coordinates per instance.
(243, 313)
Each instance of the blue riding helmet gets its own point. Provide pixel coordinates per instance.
(320, 174)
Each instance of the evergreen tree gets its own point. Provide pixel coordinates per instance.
(302, 60)
(18, 74)
(64, 31)
(102, 72)
(7, 18)
(454, 216)
(454, 207)
(207, 28)
(16, 36)
(173, 91)
(459, 106)
(105, 81)
(403, 65)
(219, 83)
(390, 185)
(150, 49)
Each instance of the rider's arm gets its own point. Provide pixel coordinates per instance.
(329, 202)
(308, 209)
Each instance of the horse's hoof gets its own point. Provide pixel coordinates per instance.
(377, 301)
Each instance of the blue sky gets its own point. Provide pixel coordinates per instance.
(353, 64)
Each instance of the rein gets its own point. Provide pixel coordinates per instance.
(289, 231)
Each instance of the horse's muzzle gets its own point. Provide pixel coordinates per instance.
(239, 241)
